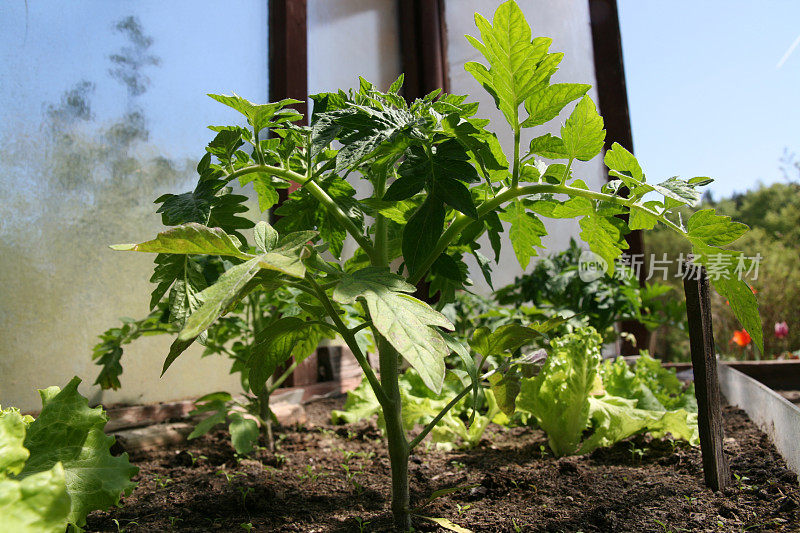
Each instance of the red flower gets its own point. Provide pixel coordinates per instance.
(741, 337)
(781, 330)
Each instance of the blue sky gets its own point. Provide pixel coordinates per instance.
(705, 94)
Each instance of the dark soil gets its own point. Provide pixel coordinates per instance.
(509, 483)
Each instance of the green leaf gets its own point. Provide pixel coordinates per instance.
(12, 434)
(267, 195)
(218, 297)
(260, 116)
(189, 238)
(679, 190)
(549, 147)
(505, 390)
(399, 212)
(526, 232)
(422, 232)
(482, 144)
(361, 404)
(504, 339)
(177, 347)
(302, 211)
(265, 236)
(614, 419)
(583, 134)
(571, 208)
(210, 204)
(605, 237)
(38, 503)
(517, 64)
(364, 129)
(208, 423)
(456, 195)
(712, 229)
(404, 321)
(225, 144)
(469, 365)
(184, 297)
(619, 159)
(547, 101)
(275, 344)
(244, 433)
(640, 219)
(445, 164)
(620, 380)
(726, 270)
(168, 268)
(70, 433)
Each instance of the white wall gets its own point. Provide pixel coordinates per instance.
(567, 23)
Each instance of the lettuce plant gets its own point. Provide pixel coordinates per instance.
(582, 408)
(57, 468)
(437, 181)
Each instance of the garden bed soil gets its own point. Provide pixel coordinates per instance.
(510, 483)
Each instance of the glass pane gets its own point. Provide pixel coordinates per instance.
(102, 109)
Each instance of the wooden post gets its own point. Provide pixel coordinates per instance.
(701, 338)
(612, 96)
(288, 78)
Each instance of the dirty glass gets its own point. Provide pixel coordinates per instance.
(102, 109)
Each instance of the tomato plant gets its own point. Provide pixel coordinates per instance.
(438, 180)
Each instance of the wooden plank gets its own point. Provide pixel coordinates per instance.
(773, 414)
(346, 375)
(146, 415)
(709, 413)
(161, 435)
(613, 103)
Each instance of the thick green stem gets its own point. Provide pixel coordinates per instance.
(381, 256)
(389, 361)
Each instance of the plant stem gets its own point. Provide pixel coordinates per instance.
(350, 340)
(381, 257)
(515, 169)
(413, 444)
(395, 434)
(389, 361)
(278, 382)
(506, 195)
(317, 192)
(265, 415)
